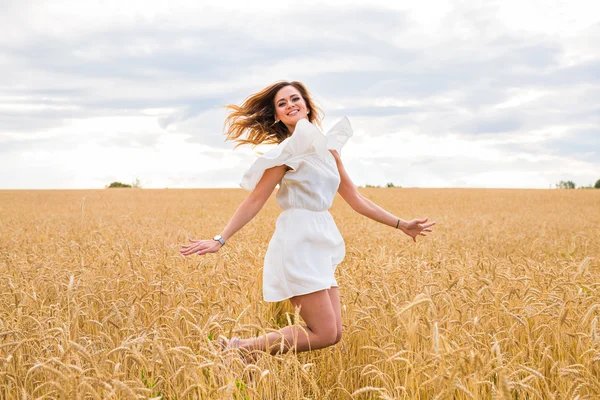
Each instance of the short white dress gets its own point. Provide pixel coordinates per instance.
(307, 246)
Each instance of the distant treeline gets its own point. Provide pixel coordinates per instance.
(135, 184)
(571, 185)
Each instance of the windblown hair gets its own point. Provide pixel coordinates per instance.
(256, 117)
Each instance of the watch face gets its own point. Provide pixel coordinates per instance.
(217, 237)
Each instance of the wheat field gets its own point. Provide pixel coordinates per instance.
(501, 301)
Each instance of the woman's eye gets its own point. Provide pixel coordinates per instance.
(296, 99)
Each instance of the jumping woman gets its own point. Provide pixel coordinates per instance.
(307, 246)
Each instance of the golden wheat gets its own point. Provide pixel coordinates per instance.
(501, 301)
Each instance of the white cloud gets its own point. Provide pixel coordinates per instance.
(503, 93)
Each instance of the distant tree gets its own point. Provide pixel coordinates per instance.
(597, 185)
(137, 184)
(390, 184)
(372, 186)
(119, 185)
(586, 187)
(565, 185)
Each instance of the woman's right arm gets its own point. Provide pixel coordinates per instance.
(255, 201)
(244, 213)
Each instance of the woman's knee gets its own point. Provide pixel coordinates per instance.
(332, 334)
(332, 337)
(328, 336)
(335, 336)
(338, 336)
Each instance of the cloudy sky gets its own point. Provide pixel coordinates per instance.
(439, 93)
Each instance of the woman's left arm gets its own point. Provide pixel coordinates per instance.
(366, 207)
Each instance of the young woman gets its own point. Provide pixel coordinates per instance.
(306, 247)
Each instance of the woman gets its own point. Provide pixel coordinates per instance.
(306, 247)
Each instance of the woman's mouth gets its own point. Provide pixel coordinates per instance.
(293, 112)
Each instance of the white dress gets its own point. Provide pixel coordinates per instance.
(307, 246)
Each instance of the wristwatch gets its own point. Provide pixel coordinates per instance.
(220, 239)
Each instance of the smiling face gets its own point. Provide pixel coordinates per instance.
(290, 106)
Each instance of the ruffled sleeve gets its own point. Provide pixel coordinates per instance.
(339, 134)
(306, 139)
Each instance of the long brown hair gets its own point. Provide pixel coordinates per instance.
(256, 117)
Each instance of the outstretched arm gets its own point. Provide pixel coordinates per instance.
(366, 207)
(244, 213)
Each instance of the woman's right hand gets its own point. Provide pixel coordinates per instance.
(201, 247)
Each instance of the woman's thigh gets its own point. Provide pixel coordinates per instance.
(316, 310)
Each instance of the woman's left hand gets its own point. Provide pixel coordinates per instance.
(416, 227)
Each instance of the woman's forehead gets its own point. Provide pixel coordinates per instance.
(285, 92)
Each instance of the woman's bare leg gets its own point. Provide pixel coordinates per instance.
(334, 296)
(321, 330)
